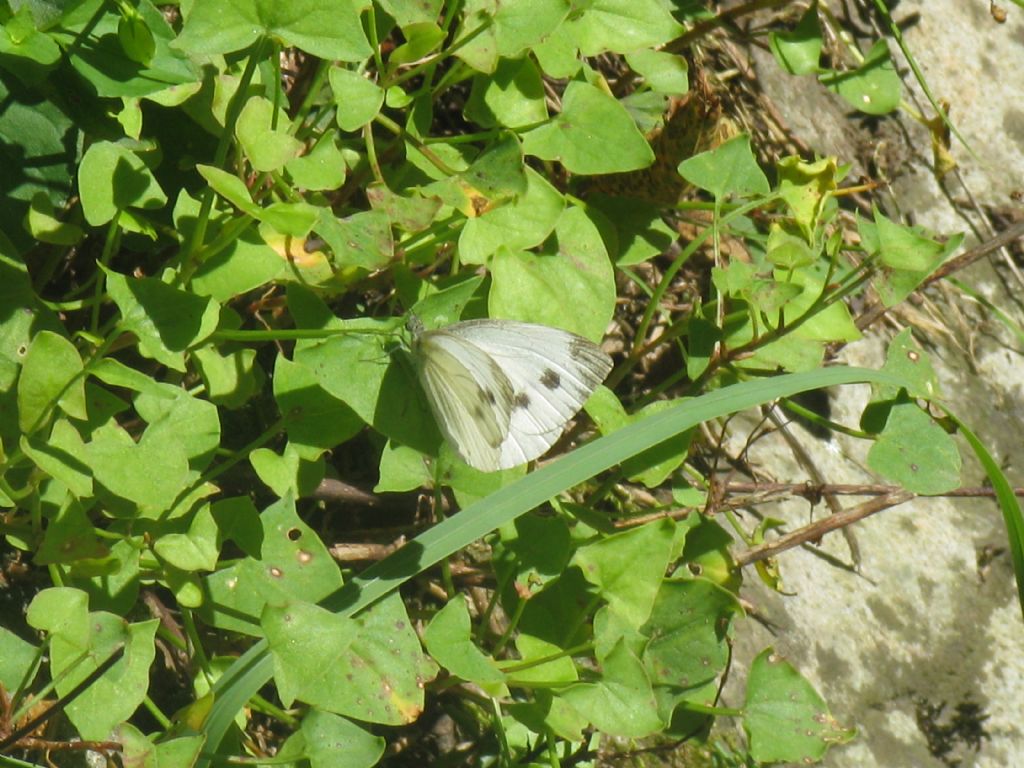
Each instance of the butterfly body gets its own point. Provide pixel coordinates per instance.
(502, 391)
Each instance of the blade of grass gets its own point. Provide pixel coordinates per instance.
(897, 35)
(255, 668)
(1008, 503)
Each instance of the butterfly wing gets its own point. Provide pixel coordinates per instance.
(470, 395)
(551, 372)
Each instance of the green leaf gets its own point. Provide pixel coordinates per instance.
(557, 55)
(315, 420)
(335, 742)
(245, 264)
(628, 568)
(51, 376)
(292, 563)
(195, 550)
(552, 621)
(413, 214)
(230, 187)
(139, 752)
(512, 97)
(62, 612)
(328, 31)
(874, 87)
(621, 26)
(787, 721)
(831, 323)
(167, 321)
(267, 146)
(136, 39)
(361, 241)
(175, 415)
(37, 158)
(687, 634)
(593, 134)
(70, 536)
(531, 551)
(447, 639)
(787, 251)
(411, 11)
(111, 74)
(370, 668)
(112, 178)
(807, 187)
(907, 255)
(150, 473)
(734, 279)
(622, 702)
(495, 177)
(916, 452)
(902, 248)
(113, 582)
(799, 51)
(383, 393)
(238, 520)
(523, 223)
(532, 286)
(906, 359)
(289, 219)
(322, 168)
(17, 658)
(422, 38)
(287, 473)
(23, 40)
(640, 231)
(729, 169)
(789, 353)
(768, 297)
(402, 469)
(358, 99)
(664, 72)
(490, 29)
(115, 696)
(43, 224)
(231, 378)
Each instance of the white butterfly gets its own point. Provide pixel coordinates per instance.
(502, 391)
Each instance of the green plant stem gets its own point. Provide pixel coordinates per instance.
(432, 62)
(794, 407)
(260, 704)
(897, 35)
(155, 712)
(110, 242)
(269, 434)
(498, 730)
(188, 260)
(511, 667)
(421, 147)
(316, 84)
(692, 706)
(371, 153)
(195, 642)
(371, 31)
(513, 623)
(294, 334)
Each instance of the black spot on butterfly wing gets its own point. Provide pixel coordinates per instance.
(551, 379)
(521, 401)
